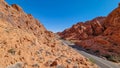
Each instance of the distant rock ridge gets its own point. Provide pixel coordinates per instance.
(100, 36)
(25, 43)
(84, 30)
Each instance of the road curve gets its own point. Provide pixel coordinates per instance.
(97, 60)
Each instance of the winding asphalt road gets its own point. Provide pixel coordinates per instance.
(97, 60)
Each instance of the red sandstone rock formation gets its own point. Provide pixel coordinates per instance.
(101, 35)
(84, 30)
(25, 43)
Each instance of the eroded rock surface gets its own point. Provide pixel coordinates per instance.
(25, 43)
(100, 36)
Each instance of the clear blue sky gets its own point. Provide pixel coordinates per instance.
(56, 15)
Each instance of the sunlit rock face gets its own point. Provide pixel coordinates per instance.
(25, 43)
(100, 36)
(84, 30)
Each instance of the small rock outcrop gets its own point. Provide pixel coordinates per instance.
(16, 7)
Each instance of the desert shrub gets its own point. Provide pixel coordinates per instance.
(88, 49)
(110, 50)
(35, 65)
(12, 51)
(92, 60)
(112, 58)
(97, 51)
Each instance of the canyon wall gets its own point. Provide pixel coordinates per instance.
(100, 36)
(25, 43)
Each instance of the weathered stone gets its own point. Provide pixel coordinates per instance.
(17, 65)
(82, 31)
(24, 39)
(48, 63)
(69, 61)
(54, 63)
(100, 35)
(15, 6)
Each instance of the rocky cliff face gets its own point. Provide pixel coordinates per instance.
(100, 36)
(84, 30)
(25, 43)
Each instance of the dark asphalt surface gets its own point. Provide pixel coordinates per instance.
(97, 60)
